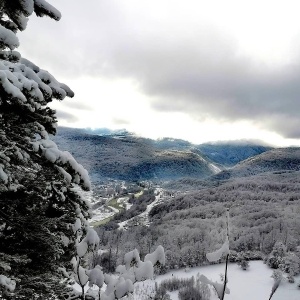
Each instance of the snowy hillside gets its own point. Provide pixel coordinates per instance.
(121, 155)
(131, 158)
(231, 153)
(275, 160)
(261, 192)
(264, 209)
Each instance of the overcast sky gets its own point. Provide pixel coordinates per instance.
(196, 70)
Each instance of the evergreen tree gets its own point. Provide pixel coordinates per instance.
(38, 203)
(276, 258)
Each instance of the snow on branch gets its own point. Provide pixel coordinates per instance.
(60, 91)
(216, 255)
(71, 170)
(116, 287)
(9, 88)
(14, 17)
(8, 283)
(29, 64)
(144, 271)
(156, 257)
(12, 56)
(131, 258)
(8, 39)
(3, 175)
(29, 84)
(96, 276)
(219, 287)
(21, 22)
(27, 6)
(43, 8)
(90, 240)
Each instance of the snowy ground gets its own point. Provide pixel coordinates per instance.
(100, 213)
(106, 211)
(144, 216)
(255, 283)
(124, 202)
(103, 211)
(214, 168)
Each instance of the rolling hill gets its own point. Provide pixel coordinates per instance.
(128, 157)
(122, 155)
(278, 160)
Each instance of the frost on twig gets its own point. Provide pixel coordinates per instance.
(216, 255)
(217, 286)
(277, 275)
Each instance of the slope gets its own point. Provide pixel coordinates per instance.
(275, 160)
(128, 157)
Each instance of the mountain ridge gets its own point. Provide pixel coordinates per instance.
(274, 160)
(125, 156)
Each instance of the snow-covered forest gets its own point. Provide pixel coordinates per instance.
(149, 208)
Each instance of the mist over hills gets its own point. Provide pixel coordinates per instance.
(122, 155)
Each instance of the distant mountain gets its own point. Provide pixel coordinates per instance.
(224, 154)
(107, 131)
(230, 153)
(175, 144)
(122, 155)
(128, 157)
(273, 161)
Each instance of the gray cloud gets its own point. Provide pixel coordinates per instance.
(193, 70)
(76, 105)
(288, 126)
(119, 121)
(65, 116)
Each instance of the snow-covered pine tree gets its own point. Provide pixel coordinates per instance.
(38, 203)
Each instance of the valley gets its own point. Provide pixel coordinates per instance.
(113, 201)
(186, 212)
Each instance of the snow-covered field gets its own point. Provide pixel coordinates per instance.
(124, 202)
(254, 284)
(102, 213)
(107, 211)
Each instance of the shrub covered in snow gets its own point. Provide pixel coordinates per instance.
(189, 289)
(189, 293)
(244, 264)
(116, 285)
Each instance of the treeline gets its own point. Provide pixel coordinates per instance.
(263, 210)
